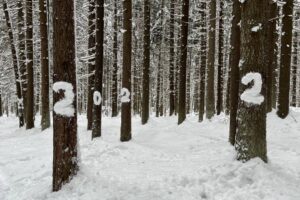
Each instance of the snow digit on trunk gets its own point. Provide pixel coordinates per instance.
(253, 95)
(65, 106)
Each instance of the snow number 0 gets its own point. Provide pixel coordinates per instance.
(64, 106)
(97, 98)
(253, 95)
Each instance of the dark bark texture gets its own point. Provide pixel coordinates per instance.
(64, 68)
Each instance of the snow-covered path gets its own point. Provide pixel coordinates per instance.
(163, 162)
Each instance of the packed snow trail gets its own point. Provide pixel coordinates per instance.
(164, 161)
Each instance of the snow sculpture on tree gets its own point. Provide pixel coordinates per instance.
(125, 95)
(65, 106)
(97, 98)
(253, 95)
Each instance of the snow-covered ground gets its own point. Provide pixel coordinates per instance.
(163, 162)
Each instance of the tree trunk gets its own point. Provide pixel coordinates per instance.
(285, 64)
(203, 41)
(234, 60)
(183, 60)
(295, 65)
(64, 78)
(210, 88)
(146, 69)
(126, 80)
(91, 65)
(97, 108)
(115, 65)
(172, 60)
(219, 106)
(29, 61)
(15, 65)
(21, 53)
(251, 116)
(45, 121)
(272, 43)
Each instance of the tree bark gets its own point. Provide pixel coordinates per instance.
(251, 116)
(172, 60)
(203, 41)
(29, 61)
(234, 59)
(91, 65)
(210, 88)
(64, 71)
(183, 60)
(97, 107)
(146, 69)
(21, 53)
(285, 64)
(115, 65)
(295, 64)
(45, 121)
(219, 106)
(126, 80)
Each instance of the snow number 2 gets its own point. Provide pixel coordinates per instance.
(64, 107)
(253, 95)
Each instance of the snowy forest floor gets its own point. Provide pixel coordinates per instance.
(163, 162)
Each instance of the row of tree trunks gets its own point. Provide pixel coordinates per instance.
(15, 64)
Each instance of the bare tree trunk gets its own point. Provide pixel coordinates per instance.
(272, 46)
(115, 65)
(15, 65)
(203, 58)
(91, 67)
(64, 78)
(295, 65)
(285, 64)
(22, 56)
(29, 62)
(172, 60)
(146, 69)
(126, 80)
(45, 121)
(251, 117)
(183, 60)
(210, 91)
(97, 108)
(234, 60)
(219, 106)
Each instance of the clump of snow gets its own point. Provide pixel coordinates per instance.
(97, 98)
(256, 28)
(125, 95)
(65, 106)
(253, 95)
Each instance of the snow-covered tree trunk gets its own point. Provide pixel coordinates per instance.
(251, 116)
